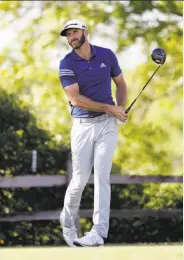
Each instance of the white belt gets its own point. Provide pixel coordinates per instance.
(93, 119)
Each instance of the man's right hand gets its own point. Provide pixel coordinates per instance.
(118, 112)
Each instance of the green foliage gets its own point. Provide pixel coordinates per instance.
(133, 230)
(155, 196)
(26, 199)
(145, 230)
(31, 69)
(19, 135)
(149, 143)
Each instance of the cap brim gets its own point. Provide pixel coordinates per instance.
(63, 33)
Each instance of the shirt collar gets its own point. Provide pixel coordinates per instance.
(77, 57)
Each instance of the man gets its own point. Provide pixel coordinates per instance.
(85, 74)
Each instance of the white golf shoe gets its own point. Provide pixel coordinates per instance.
(90, 239)
(69, 235)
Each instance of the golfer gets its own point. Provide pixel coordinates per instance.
(85, 75)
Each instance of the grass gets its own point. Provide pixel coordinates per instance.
(121, 252)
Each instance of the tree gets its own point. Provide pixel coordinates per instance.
(19, 135)
(29, 73)
(150, 143)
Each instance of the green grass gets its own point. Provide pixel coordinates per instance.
(121, 252)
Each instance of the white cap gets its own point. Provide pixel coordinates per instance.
(73, 24)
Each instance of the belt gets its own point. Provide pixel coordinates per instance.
(96, 119)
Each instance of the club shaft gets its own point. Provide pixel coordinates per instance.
(130, 106)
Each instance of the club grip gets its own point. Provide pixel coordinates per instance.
(127, 110)
(129, 107)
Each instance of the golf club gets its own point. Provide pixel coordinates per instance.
(159, 56)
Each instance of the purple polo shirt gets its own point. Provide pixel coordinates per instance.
(93, 77)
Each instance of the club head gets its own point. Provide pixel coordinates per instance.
(158, 55)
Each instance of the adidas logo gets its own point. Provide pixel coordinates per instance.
(102, 65)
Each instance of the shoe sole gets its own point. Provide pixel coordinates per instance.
(70, 245)
(81, 245)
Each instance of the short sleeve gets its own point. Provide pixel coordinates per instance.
(66, 73)
(115, 68)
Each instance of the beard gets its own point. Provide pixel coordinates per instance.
(78, 43)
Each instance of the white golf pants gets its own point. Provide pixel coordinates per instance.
(93, 142)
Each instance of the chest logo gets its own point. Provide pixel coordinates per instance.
(102, 65)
